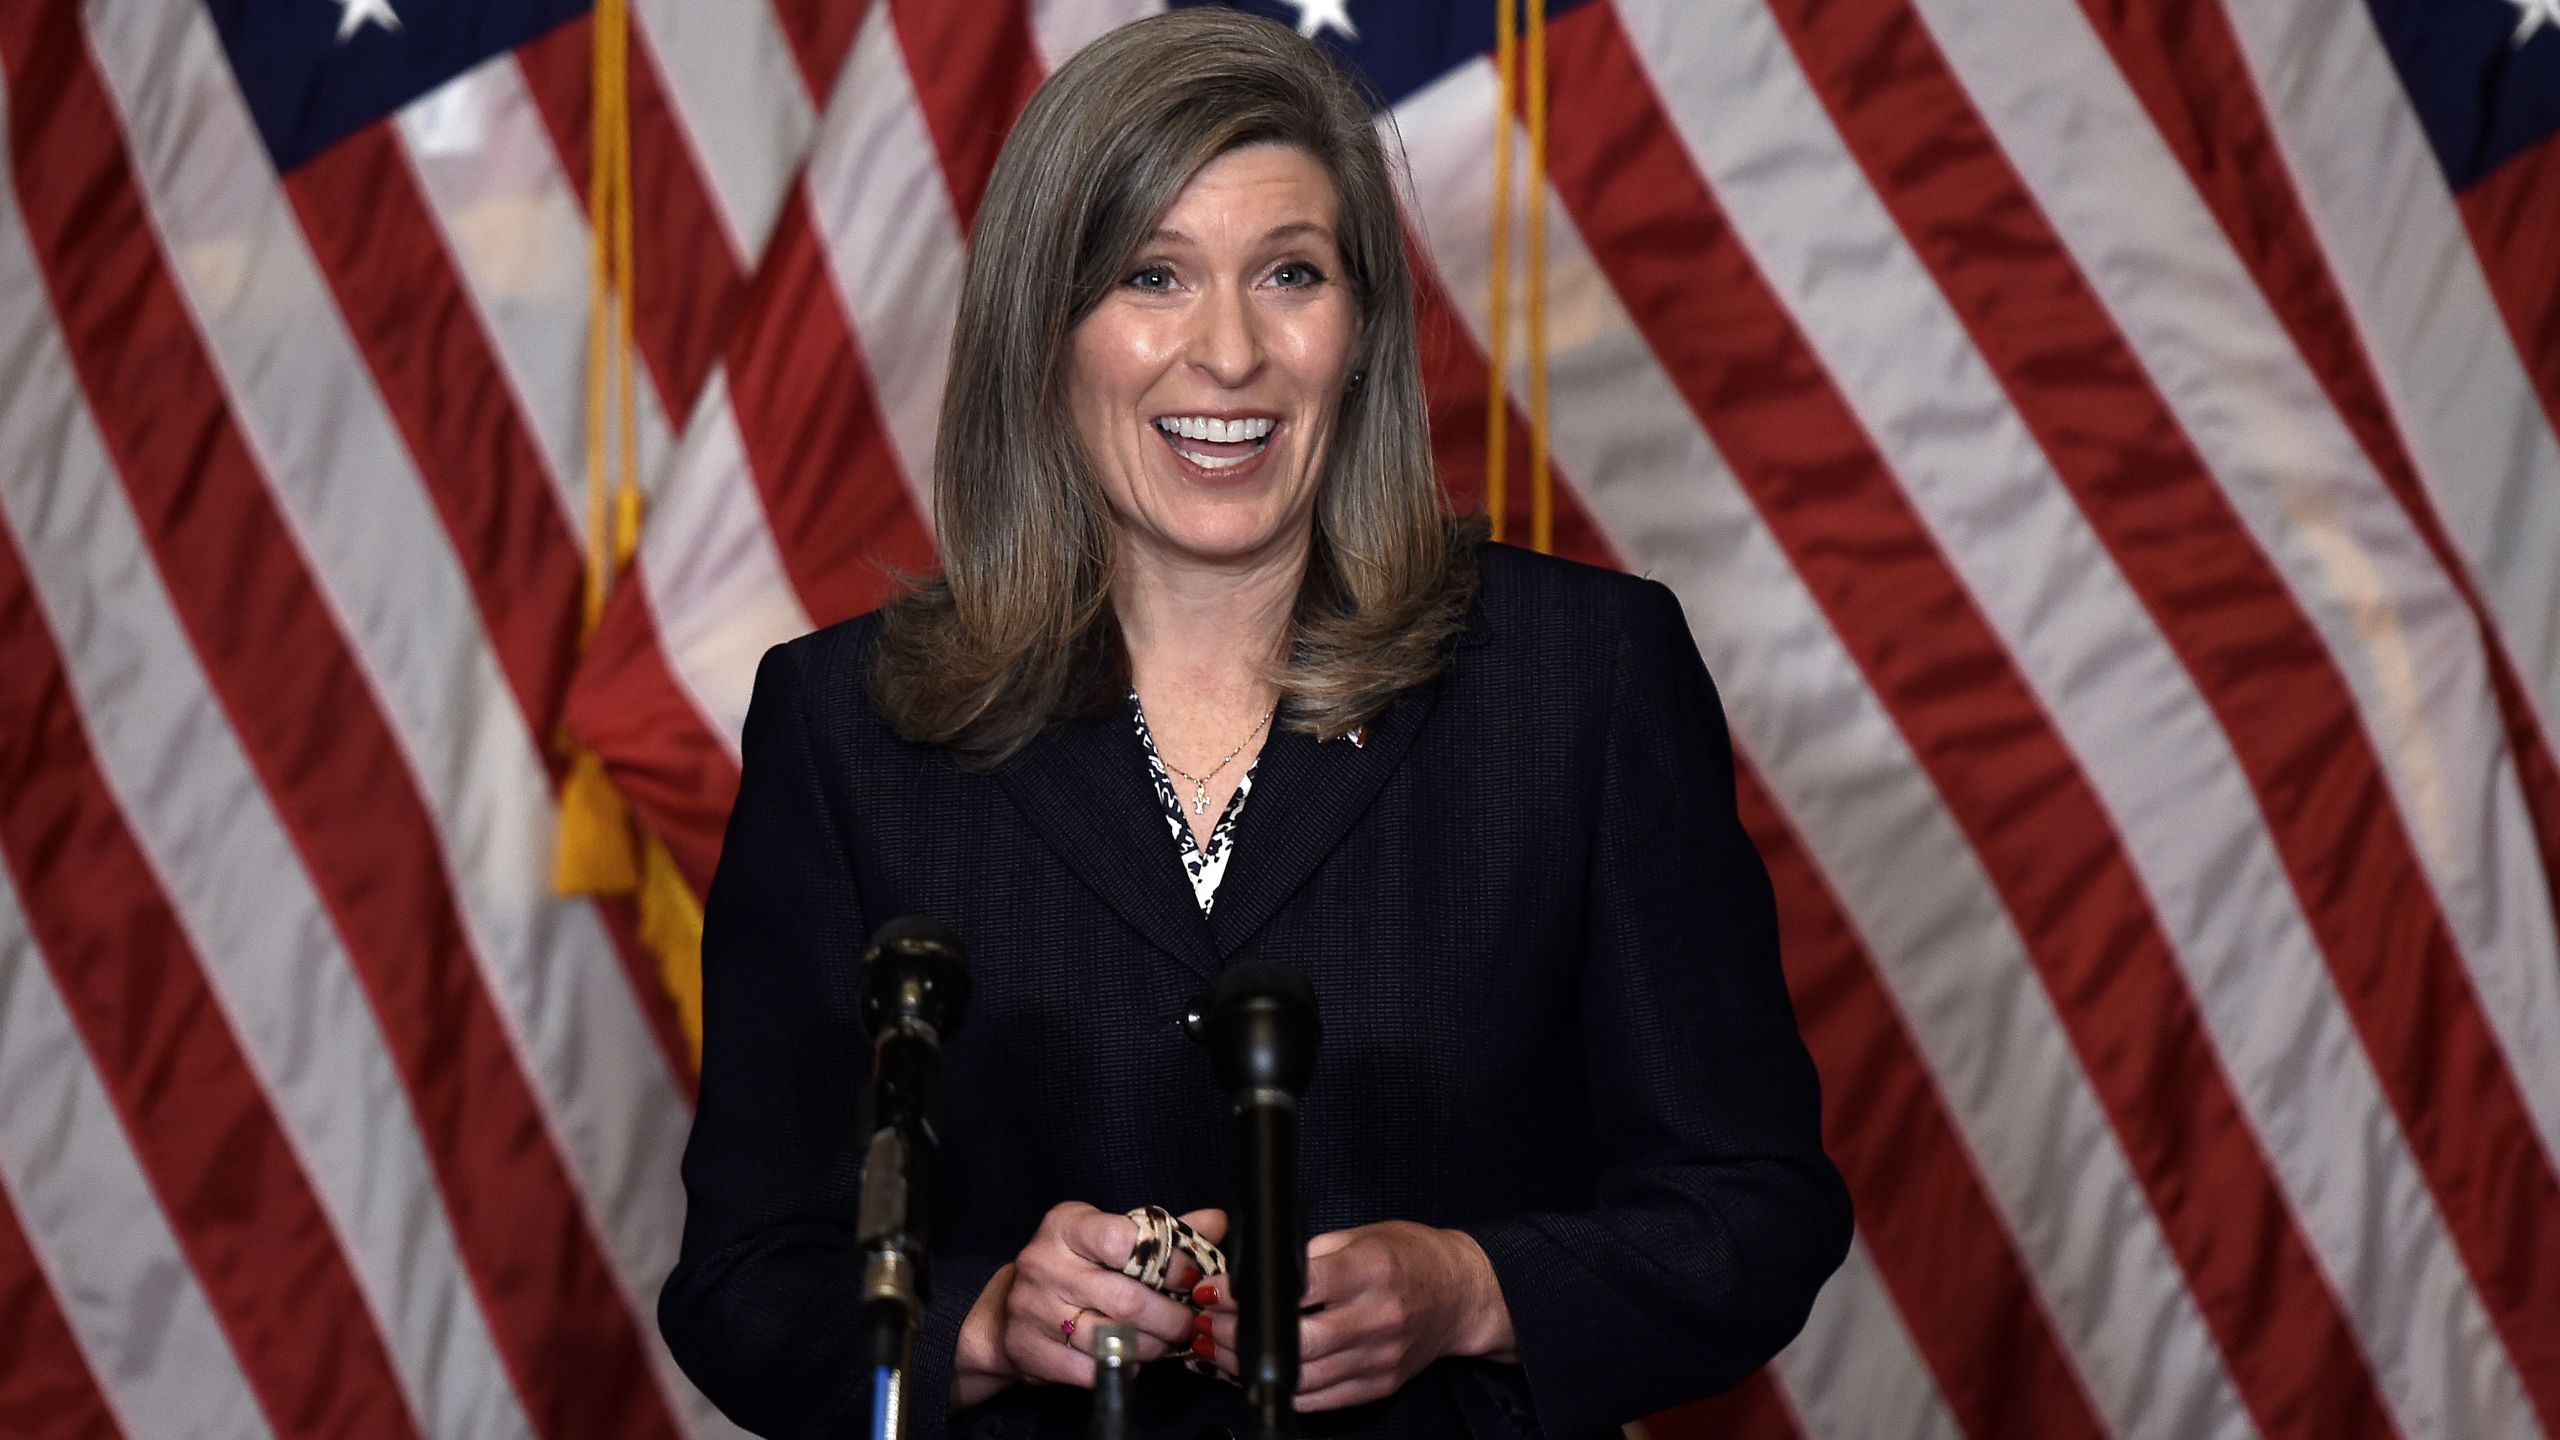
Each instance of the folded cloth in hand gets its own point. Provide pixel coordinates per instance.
(1163, 1239)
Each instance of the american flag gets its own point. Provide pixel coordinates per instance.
(2107, 453)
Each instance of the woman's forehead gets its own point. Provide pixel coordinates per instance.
(1260, 194)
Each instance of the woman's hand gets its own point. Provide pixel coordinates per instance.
(1383, 1301)
(1018, 1328)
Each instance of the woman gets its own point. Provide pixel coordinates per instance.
(1209, 673)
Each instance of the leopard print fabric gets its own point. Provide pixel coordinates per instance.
(1203, 866)
(1163, 1239)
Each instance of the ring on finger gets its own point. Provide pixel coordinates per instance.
(1067, 1327)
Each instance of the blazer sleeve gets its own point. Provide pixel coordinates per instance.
(1716, 1216)
(762, 1310)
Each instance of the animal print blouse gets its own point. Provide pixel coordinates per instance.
(1206, 866)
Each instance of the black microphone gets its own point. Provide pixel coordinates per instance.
(912, 991)
(1262, 1033)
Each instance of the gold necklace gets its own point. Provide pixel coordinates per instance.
(1200, 783)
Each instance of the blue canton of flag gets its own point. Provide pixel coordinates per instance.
(2483, 75)
(317, 71)
(1399, 47)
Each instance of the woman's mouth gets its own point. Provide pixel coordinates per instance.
(1212, 445)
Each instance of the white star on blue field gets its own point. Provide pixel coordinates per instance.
(354, 15)
(1317, 16)
(2537, 13)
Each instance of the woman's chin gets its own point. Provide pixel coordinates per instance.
(1225, 540)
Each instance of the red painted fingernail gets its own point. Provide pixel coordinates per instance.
(1205, 1293)
(1204, 1347)
(1200, 1324)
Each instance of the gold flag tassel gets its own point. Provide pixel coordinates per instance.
(1508, 64)
(671, 929)
(595, 855)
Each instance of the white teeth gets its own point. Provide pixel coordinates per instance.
(1214, 462)
(1202, 427)
(1215, 431)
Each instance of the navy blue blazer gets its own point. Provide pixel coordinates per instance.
(1544, 951)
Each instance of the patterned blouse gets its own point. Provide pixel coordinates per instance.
(1205, 866)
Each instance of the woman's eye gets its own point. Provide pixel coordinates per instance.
(1151, 277)
(1297, 274)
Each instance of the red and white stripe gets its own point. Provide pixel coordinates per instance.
(2425, 303)
(152, 1357)
(216, 861)
(522, 1052)
(2110, 476)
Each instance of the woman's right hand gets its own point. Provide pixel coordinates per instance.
(1018, 1328)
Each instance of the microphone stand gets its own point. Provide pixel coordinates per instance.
(914, 985)
(1115, 1376)
(893, 1282)
(1262, 1032)
(1269, 1260)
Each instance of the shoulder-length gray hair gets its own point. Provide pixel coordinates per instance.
(1018, 630)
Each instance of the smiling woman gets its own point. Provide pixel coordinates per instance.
(1192, 222)
(1205, 385)
(1560, 1150)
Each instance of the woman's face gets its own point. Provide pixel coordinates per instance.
(1205, 385)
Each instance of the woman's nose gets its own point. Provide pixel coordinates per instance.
(1226, 342)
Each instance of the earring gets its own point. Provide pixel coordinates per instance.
(1354, 387)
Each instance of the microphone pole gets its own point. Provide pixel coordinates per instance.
(913, 989)
(1262, 1033)
(1115, 1376)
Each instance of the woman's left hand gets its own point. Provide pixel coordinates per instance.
(1383, 1301)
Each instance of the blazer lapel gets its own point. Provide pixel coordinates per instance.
(1306, 795)
(1086, 788)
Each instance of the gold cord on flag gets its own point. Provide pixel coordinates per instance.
(613, 461)
(1497, 410)
(1508, 87)
(1541, 499)
(595, 854)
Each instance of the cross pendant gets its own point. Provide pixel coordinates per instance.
(1200, 798)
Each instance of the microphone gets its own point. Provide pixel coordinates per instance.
(913, 989)
(1262, 1033)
